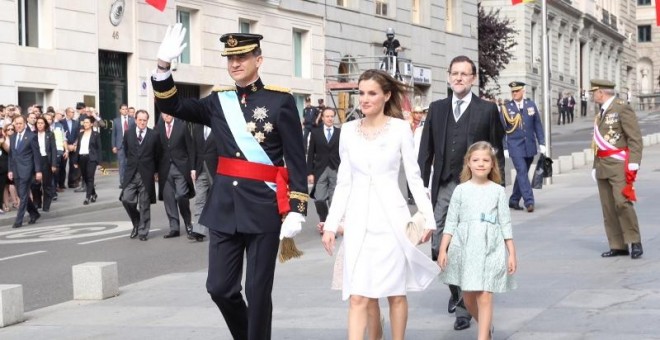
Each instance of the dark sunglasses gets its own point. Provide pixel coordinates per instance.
(10, 130)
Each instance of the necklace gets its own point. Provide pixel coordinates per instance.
(371, 134)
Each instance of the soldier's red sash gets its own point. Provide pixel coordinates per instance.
(628, 191)
(259, 172)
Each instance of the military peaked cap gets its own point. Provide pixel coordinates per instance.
(516, 85)
(600, 84)
(239, 43)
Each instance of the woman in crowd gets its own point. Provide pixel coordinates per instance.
(10, 197)
(89, 156)
(44, 191)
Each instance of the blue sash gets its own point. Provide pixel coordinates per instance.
(249, 146)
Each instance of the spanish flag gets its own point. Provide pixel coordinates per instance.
(160, 4)
(515, 2)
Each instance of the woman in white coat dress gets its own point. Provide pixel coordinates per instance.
(379, 261)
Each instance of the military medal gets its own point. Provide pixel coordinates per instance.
(260, 137)
(251, 126)
(243, 101)
(268, 127)
(260, 113)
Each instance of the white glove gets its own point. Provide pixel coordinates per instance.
(542, 149)
(172, 45)
(292, 225)
(506, 153)
(633, 166)
(593, 175)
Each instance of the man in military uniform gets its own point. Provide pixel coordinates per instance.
(522, 124)
(250, 208)
(618, 153)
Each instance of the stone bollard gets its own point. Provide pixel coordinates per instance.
(11, 304)
(555, 167)
(653, 138)
(95, 280)
(578, 159)
(589, 156)
(565, 164)
(646, 141)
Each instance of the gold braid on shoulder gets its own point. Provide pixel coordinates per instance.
(515, 122)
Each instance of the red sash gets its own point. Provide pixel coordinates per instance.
(628, 191)
(259, 172)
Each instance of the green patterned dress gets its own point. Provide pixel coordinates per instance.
(479, 221)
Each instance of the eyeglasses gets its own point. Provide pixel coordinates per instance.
(460, 75)
(12, 130)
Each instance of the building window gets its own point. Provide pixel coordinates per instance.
(381, 7)
(453, 16)
(534, 43)
(28, 97)
(244, 26)
(560, 53)
(301, 54)
(415, 12)
(28, 23)
(644, 33)
(643, 2)
(184, 17)
(342, 3)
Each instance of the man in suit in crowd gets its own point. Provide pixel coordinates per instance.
(176, 173)
(452, 125)
(120, 125)
(323, 161)
(142, 147)
(618, 152)
(24, 164)
(71, 131)
(253, 206)
(206, 164)
(583, 102)
(522, 124)
(561, 108)
(570, 107)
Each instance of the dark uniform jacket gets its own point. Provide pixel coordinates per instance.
(178, 149)
(142, 158)
(521, 138)
(321, 153)
(237, 204)
(483, 125)
(206, 151)
(620, 128)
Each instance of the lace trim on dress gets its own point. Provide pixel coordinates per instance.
(371, 135)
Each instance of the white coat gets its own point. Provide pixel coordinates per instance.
(368, 173)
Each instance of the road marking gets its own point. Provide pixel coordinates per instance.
(109, 238)
(63, 232)
(22, 255)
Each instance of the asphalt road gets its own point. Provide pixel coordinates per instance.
(40, 257)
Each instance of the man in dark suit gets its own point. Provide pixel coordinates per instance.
(142, 147)
(206, 163)
(253, 206)
(175, 172)
(323, 161)
(71, 131)
(309, 119)
(452, 125)
(24, 160)
(120, 125)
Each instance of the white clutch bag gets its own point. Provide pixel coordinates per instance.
(415, 228)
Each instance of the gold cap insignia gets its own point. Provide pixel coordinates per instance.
(231, 42)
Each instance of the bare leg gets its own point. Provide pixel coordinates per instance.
(485, 303)
(357, 317)
(398, 316)
(470, 300)
(374, 325)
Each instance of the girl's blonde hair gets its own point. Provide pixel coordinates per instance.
(494, 175)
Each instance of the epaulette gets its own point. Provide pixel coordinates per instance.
(277, 88)
(620, 101)
(219, 88)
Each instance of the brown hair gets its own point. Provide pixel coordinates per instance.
(494, 175)
(389, 85)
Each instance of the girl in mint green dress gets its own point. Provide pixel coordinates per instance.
(477, 251)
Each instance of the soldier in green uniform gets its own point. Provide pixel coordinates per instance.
(255, 201)
(617, 145)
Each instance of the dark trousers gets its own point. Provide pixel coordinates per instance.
(224, 281)
(569, 114)
(88, 170)
(74, 174)
(44, 191)
(521, 187)
(133, 194)
(23, 189)
(3, 183)
(583, 108)
(306, 132)
(175, 197)
(561, 119)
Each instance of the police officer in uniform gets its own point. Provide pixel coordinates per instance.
(522, 124)
(250, 208)
(618, 152)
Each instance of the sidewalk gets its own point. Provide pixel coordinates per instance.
(566, 290)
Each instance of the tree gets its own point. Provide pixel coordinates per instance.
(496, 39)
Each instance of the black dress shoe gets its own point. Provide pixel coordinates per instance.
(530, 208)
(86, 201)
(93, 198)
(33, 219)
(515, 206)
(198, 237)
(17, 225)
(451, 305)
(134, 232)
(636, 250)
(172, 234)
(143, 237)
(616, 252)
(461, 323)
(189, 232)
